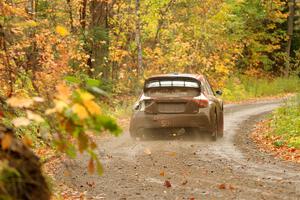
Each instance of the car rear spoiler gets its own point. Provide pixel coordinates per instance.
(155, 79)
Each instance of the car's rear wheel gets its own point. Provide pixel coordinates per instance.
(214, 133)
(134, 134)
(221, 129)
(140, 134)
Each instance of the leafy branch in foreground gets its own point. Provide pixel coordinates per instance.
(75, 117)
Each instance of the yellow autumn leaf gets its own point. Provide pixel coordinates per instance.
(80, 111)
(32, 23)
(92, 107)
(6, 141)
(63, 92)
(50, 111)
(85, 96)
(20, 121)
(34, 117)
(59, 107)
(19, 102)
(222, 69)
(25, 24)
(62, 31)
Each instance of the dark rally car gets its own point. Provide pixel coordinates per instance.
(178, 101)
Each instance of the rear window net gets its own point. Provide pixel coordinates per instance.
(172, 83)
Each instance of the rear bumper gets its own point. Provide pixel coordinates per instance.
(141, 120)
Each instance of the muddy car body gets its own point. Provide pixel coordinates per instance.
(174, 101)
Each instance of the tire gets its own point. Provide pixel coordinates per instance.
(133, 134)
(221, 128)
(214, 133)
(139, 134)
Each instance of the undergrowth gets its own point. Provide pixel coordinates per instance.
(242, 88)
(286, 123)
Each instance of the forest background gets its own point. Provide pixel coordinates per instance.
(67, 65)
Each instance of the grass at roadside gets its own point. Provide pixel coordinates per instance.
(280, 133)
(241, 88)
(286, 123)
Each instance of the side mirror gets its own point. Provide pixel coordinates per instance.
(219, 92)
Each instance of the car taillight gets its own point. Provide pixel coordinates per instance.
(145, 102)
(201, 101)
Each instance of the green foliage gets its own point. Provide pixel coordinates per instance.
(286, 123)
(95, 86)
(242, 87)
(279, 143)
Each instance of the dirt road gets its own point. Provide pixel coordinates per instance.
(231, 168)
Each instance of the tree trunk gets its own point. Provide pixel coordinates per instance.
(6, 62)
(140, 70)
(83, 14)
(30, 8)
(71, 15)
(100, 41)
(291, 5)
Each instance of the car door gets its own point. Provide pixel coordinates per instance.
(218, 104)
(218, 107)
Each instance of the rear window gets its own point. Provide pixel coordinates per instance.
(172, 88)
(172, 83)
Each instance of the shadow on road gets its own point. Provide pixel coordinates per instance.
(171, 134)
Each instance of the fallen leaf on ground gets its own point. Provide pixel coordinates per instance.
(67, 173)
(184, 182)
(273, 144)
(162, 173)
(167, 184)
(231, 187)
(147, 151)
(222, 186)
(172, 154)
(90, 184)
(91, 166)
